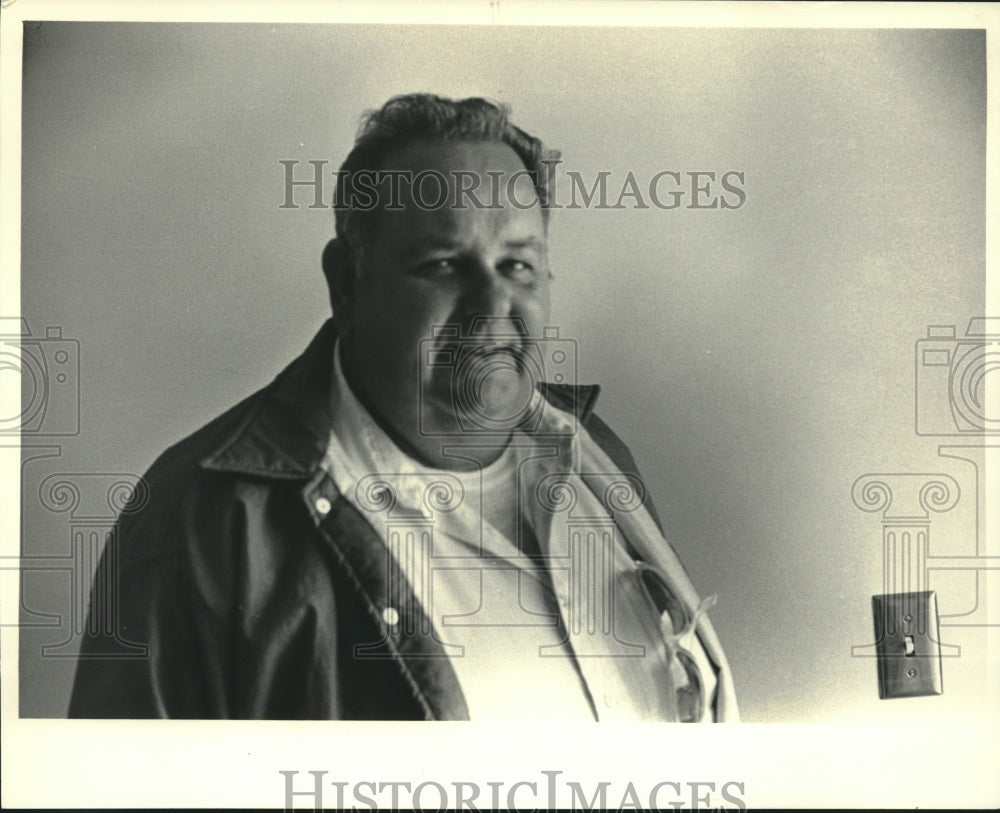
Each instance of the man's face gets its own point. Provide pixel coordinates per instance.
(480, 271)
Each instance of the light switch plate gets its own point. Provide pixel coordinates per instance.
(907, 644)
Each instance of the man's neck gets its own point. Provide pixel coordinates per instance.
(454, 452)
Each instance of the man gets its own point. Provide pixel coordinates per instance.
(408, 523)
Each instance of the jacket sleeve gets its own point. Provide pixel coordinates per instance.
(155, 644)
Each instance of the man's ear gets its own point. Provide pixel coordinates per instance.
(338, 268)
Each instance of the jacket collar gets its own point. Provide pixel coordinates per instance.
(285, 428)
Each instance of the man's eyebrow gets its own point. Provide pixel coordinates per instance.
(429, 243)
(526, 242)
(444, 243)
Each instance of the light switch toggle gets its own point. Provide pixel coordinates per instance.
(907, 643)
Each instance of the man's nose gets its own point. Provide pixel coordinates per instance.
(488, 294)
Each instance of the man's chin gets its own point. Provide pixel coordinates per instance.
(497, 406)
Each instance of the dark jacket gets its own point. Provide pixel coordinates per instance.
(254, 588)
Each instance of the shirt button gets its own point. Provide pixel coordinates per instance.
(391, 616)
(323, 506)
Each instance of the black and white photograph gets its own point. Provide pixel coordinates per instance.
(473, 405)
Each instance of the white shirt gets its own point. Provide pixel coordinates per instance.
(561, 637)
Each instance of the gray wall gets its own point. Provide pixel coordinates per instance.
(757, 360)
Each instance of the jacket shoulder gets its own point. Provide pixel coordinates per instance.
(177, 496)
(190, 451)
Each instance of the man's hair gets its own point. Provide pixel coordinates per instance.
(416, 117)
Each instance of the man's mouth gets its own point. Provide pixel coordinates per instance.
(488, 381)
(487, 351)
(481, 356)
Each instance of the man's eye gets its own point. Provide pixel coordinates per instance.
(437, 268)
(519, 271)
